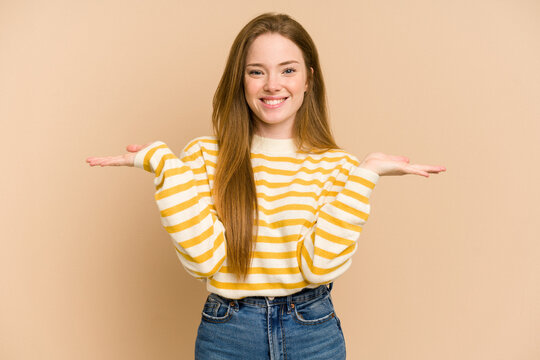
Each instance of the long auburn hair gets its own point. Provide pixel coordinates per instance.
(234, 189)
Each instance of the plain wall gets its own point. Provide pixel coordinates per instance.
(448, 267)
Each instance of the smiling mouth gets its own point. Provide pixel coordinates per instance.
(274, 101)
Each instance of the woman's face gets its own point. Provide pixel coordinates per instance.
(275, 80)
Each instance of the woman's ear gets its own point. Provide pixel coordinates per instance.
(310, 78)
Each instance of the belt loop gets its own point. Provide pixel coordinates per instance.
(289, 301)
(330, 286)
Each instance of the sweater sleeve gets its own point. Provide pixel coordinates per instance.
(185, 209)
(325, 252)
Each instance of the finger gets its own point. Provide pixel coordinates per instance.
(103, 161)
(134, 147)
(94, 161)
(114, 161)
(430, 168)
(415, 169)
(110, 163)
(436, 169)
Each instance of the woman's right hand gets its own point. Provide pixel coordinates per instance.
(118, 160)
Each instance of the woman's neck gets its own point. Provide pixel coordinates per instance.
(274, 146)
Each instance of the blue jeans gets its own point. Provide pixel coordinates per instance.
(300, 326)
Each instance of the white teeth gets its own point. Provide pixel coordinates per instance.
(273, 102)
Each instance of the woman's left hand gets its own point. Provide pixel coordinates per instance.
(384, 165)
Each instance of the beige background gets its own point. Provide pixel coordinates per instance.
(448, 267)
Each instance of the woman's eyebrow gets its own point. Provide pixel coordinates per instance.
(280, 64)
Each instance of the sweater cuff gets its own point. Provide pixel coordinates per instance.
(142, 158)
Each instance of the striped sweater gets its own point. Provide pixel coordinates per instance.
(311, 211)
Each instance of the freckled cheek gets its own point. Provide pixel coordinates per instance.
(296, 87)
(251, 90)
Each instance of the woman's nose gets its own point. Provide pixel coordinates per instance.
(272, 83)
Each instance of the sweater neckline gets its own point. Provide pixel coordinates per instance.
(267, 145)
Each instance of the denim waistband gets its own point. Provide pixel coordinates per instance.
(305, 294)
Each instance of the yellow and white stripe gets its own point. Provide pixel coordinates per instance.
(312, 208)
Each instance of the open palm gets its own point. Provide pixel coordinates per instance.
(384, 165)
(118, 160)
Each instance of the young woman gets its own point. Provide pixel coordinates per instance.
(266, 212)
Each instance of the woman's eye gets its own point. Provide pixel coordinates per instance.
(289, 71)
(255, 72)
